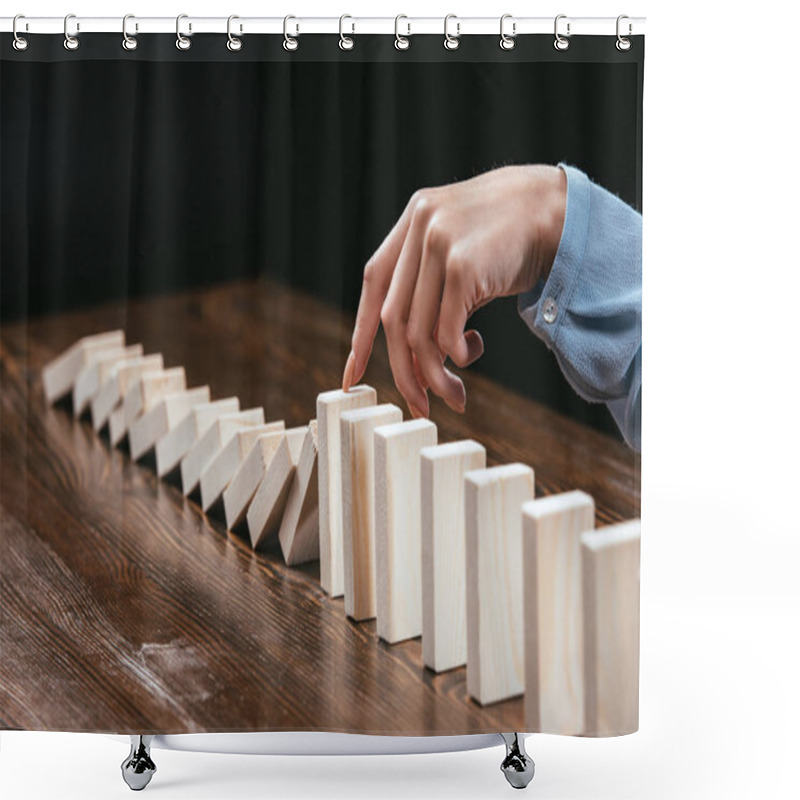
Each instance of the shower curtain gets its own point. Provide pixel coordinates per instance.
(321, 382)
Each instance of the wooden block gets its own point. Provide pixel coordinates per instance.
(116, 386)
(299, 531)
(218, 474)
(60, 374)
(269, 501)
(96, 373)
(398, 524)
(554, 689)
(172, 447)
(168, 412)
(357, 438)
(239, 492)
(493, 501)
(610, 564)
(143, 395)
(215, 438)
(444, 568)
(330, 405)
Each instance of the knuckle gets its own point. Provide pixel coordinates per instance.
(370, 271)
(389, 318)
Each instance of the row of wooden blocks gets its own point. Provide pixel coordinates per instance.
(418, 535)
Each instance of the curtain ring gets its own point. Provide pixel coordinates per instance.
(289, 42)
(128, 42)
(20, 42)
(401, 42)
(182, 42)
(70, 42)
(623, 43)
(346, 42)
(561, 42)
(507, 42)
(234, 44)
(451, 42)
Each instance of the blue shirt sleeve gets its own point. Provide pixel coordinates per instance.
(589, 310)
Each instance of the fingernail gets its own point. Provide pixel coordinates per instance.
(349, 368)
(416, 413)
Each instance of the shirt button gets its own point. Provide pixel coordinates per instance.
(549, 310)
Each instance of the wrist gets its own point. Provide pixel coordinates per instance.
(551, 208)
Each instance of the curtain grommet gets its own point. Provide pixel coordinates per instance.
(70, 42)
(128, 42)
(623, 43)
(182, 42)
(401, 42)
(234, 43)
(290, 43)
(346, 43)
(507, 42)
(451, 42)
(19, 43)
(561, 43)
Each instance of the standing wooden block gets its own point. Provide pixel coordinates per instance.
(96, 372)
(59, 375)
(172, 447)
(116, 387)
(299, 531)
(162, 418)
(398, 545)
(211, 443)
(493, 501)
(444, 568)
(358, 505)
(143, 396)
(330, 406)
(610, 562)
(554, 688)
(269, 501)
(239, 492)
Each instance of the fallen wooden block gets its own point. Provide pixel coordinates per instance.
(269, 501)
(60, 374)
(610, 563)
(398, 523)
(172, 447)
(444, 568)
(239, 492)
(213, 440)
(168, 412)
(330, 405)
(358, 505)
(554, 658)
(116, 387)
(493, 501)
(96, 373)
(142, 396)
(299, 531)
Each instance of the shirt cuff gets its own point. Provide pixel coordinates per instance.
(544, 307)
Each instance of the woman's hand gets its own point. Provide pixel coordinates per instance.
(453, 250)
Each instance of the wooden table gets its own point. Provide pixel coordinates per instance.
(126, 609)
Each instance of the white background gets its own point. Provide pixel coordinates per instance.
(721, 547)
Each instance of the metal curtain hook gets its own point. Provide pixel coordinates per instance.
(20, 42)
(623, 43)
(346, 42)
(507, 42)
(401, 42)
(182, 42)
(289, 42)
(561, 42)
(234, 43)
(451, 42)
(128, 42)
(70, 42)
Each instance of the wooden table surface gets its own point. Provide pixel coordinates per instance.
(123, 608)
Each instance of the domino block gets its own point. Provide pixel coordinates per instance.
(171, 448)
(398, 523)
(330, 406)
(610, 564)
(60, 374)
(123, 375)
(493, 501)
(444, 568)
(219, 473)
(213, 440)
(142, 396)
(299, 531)
(358, 505)
(96, 373)
(554, 655)
(168, 412)
(269, 501)
(244, 483)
